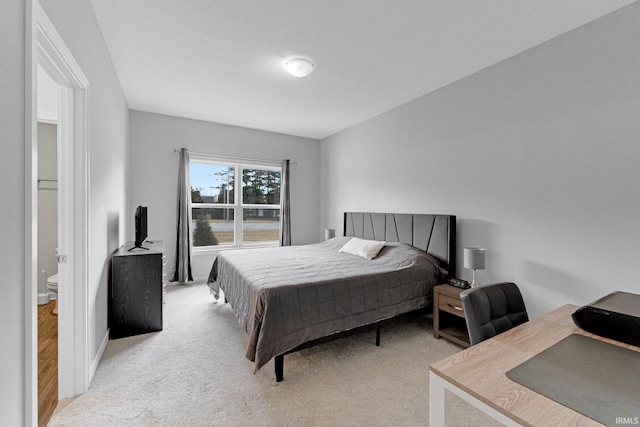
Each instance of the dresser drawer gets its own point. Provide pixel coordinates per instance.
(450, 305)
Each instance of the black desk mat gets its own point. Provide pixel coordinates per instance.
(597, 379)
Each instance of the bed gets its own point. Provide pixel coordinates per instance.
(287, 298)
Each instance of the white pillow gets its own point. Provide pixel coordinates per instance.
(367, 249)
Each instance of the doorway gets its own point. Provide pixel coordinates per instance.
(46, 49)
(47, 219)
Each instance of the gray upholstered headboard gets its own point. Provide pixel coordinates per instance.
(434, 234)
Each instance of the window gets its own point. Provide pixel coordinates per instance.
(234, 204)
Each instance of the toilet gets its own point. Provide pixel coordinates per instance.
(52, 286)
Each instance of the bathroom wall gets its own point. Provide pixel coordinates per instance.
(47, 202)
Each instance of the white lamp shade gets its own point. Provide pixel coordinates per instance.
(298, 67)
(474, 258)
(329, 233)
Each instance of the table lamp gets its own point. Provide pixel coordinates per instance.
(474, 259)
(329, 233)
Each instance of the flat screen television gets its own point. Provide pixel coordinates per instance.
(141, 226)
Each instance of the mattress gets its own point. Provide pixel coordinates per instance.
(286, 296)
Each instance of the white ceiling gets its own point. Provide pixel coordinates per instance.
(221, 60)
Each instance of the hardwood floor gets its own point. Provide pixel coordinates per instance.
(47, 362)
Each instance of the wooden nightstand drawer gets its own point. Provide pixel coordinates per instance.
(450, 305)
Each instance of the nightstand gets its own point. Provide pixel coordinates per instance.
(448, 315)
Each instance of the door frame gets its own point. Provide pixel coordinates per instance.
(44, 46)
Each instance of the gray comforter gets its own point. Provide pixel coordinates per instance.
(286, 296)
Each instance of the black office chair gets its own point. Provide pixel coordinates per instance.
(492, 309)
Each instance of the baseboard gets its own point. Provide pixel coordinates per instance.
(96, 360)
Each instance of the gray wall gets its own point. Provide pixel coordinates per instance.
(108, 140)
(47, 203)
(154, 174)
(12, 315)
(76, 23)
(538, 156)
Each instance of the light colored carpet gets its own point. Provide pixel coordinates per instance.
(194, 373)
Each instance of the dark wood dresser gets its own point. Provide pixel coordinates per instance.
(136, 290)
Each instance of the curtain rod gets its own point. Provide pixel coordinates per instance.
(236, 158)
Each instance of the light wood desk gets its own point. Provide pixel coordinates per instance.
(477, 375)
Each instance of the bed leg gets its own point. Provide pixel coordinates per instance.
(279, 362)
(378, 336)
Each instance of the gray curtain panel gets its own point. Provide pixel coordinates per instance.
(285, 217)
(182, 272)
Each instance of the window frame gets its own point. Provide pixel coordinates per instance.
(238, 206)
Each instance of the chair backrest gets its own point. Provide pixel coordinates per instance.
(492, 309)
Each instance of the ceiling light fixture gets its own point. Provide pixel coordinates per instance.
(298, 67)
